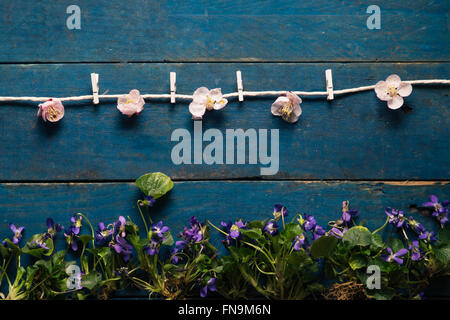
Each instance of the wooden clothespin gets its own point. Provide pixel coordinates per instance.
(329, 84)
(240, 87)
(173, 86)
(95, 88)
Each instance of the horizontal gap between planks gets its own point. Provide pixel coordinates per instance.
(305, 181)
(223, 61)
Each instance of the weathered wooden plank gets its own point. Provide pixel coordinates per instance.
(353, 137)
(31, 204)
(225, 30)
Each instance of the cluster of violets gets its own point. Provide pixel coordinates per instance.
(191, 236)
(398, 219)
(114, 234)
(287, 106)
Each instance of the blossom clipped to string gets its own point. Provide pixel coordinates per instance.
(287, 107)
(52, 110)
(395, 256)
(210, 285)
(205, 99)
(130, 104)
(347, 213)
(279, 211)
(17, 233)
(393, 90)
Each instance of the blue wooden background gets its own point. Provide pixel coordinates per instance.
(352, 148)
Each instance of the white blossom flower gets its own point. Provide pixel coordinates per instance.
(131, 103)
(205, 99)
(288, 107)
(393, 90)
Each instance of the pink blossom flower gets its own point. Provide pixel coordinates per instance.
(52, 110)
(393, 90)
(288, 107)
(205, 99)
(131, 103)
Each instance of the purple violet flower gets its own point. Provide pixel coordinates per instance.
(234, 229)
(279, 210)
(428, 236)
(122, 247)
(434, 203)
(152, 248)
(71, 238)
(271, 227)
(76, 223)
(395, 256)
(415, 251)
(17, 233)
(52, 228)
(159, 229)
(318, 232)
(210, 285)
(300, 242)
(103, 233)
(336, 232)
(396, 217)
(119, 226)
(310, 223)
(347, 213)
(149, 201)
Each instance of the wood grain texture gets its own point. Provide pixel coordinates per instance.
(180, 30)
(31, 204)
(353, 137)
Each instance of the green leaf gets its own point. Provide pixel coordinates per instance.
(85, 238)
(322, 247)
(357, 236)
(444, 235)
(168, 239)
(357, 261)
(90, 280)
(395, 244)
(382, 294)
(443, 253)
(252, 233)
(58, 257)
(377, 241)
(155, 184)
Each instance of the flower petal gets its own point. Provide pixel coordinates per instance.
(220, 104)
(197, 109)
(393, 80)
(278, 104)
(395, 103)
(293, 97)
(216, 94)
(200, 95)
(404, 89)
(381, 91)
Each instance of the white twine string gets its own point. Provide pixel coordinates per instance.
(227, 95)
